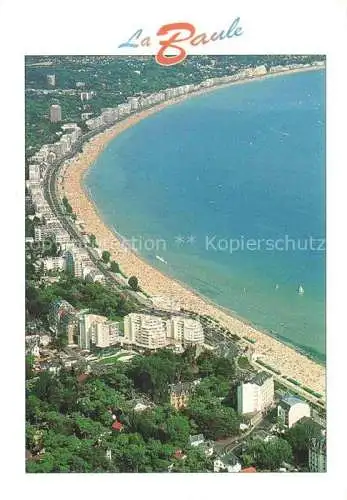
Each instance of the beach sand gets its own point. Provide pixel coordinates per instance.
(280, 356)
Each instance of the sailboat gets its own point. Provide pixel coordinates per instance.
(301, 290)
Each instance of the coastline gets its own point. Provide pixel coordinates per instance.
(271, 351)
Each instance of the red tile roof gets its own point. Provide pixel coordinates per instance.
(117, 426)
(249, 469)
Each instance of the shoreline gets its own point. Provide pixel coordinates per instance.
(269, 349)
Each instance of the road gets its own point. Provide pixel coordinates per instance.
(230, 444)
(50, 193)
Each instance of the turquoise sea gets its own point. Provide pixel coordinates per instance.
(229, 189)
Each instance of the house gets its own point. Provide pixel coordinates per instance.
(198, 441)
(117, 426)
(249, 469)
(180, 394)
(227, 462)
(291, 409)
(179, 455)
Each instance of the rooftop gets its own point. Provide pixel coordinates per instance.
(229, 459)
(249, 469)
(289, 400)
(182, 387)
(260, 378)
(196, 438)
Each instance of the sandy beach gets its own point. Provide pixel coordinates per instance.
(268, 349)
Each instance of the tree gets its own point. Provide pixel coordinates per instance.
(29, 364)
(133, 283)
(67, 205)
(195, 461)
(152, 375)
(106, 256)
(216, 386)
(268, 455)
(300, 435)
(213, 419)
(92, 239)
(114, 266)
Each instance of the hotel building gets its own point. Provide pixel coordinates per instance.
(255, 395)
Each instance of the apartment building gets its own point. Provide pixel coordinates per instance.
(53, 263)
(185, 331)
(98, 330)
(145, 330)
(55, 113)
(256, 395)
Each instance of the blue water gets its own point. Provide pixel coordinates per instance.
(245, 163)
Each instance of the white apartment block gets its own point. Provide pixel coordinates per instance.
(145, 330)
(98, 330)
(109, 115)
(55, 113)
(94, 123)
(76, 262)
(134, 103)
(85, 330)
(256, 395)
(73, 262)
(291, 409)
(73, 130)
(107, 333)
(124, 109)
(53, 263)
(185, 331)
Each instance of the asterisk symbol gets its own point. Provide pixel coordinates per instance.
(179, 240)
(191, 239)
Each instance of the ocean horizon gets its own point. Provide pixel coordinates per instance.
(225, 192)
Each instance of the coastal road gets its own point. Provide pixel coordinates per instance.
(50, 194)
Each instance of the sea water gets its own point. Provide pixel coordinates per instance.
(228, 188)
